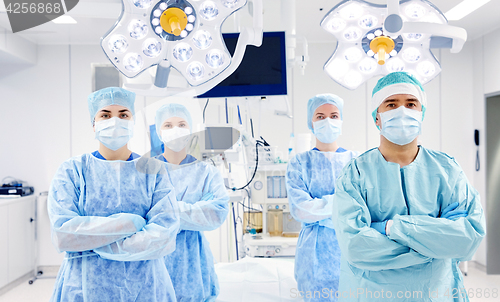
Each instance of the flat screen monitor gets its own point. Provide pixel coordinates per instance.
(219, 138)
(262, 71)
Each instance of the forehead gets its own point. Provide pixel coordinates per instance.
(401, 97)
(326, 108)
(114, 108)
(174, 120)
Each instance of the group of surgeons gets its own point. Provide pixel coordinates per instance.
(391, 224)
(132, 226)
(394, 220)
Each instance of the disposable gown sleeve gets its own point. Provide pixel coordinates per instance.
(206, 215)
(361, 245)
(442, 238)
(157, 238)
(303, 207)
(72, 232)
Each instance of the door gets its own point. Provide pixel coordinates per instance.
(493, 184)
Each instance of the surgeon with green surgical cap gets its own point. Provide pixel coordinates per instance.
(113, 214)
(405, 215)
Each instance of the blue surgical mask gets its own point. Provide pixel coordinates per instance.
(114, 133)
(327, 130)
(401, 126)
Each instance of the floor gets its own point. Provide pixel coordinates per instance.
(476, 282)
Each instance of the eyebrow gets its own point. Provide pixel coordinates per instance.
(395, 100)
(333, 112)
(390, 100)
(107, 111)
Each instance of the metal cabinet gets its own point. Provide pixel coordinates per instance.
(17, 235)
(4, 236)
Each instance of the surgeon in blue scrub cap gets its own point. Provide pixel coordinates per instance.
(114, 215)
(310, 179)
(111, 114)
(203, 205)
(405, 215)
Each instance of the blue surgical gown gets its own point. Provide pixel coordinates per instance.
(311, 176)
(203, 205)
(115, 220)
(132, 156)
(418, 261)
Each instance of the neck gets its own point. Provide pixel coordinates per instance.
(174, 157)
(332, 147)
(402, 155)
(121, 154)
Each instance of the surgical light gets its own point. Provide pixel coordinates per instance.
(183, 34)
(229, 3)
(368, 22)
(152, 48)
(411, 55)
(394, 65)
(374, 39)
(215, 58)
(142, 3)
(138, 29)
(195, 70)
(183, 52)
(415, 11)
(426, 69)
(118, 44)
(353, 54)
(132, 62)
(209, 10)
(367, 66)
(202, 39)
(352, 34)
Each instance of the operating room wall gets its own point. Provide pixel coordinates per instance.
(486, 83)
(35, 121)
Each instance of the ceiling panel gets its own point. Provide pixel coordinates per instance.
(96, 17)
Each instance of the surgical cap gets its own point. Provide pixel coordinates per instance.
(110, 96)
(320, 100)
(167, 111)
(397, 83)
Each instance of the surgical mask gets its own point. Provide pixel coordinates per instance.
(401, 126)
(114, 133)
(176, 138)
(327, 130)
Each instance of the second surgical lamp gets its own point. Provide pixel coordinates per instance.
(378, 39)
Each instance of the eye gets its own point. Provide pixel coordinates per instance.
(104, 115)
(182, 125)
(390, 105)
(123, 115)
(335, 116)
(320, 117)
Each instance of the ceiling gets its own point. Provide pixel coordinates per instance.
(96, 17)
